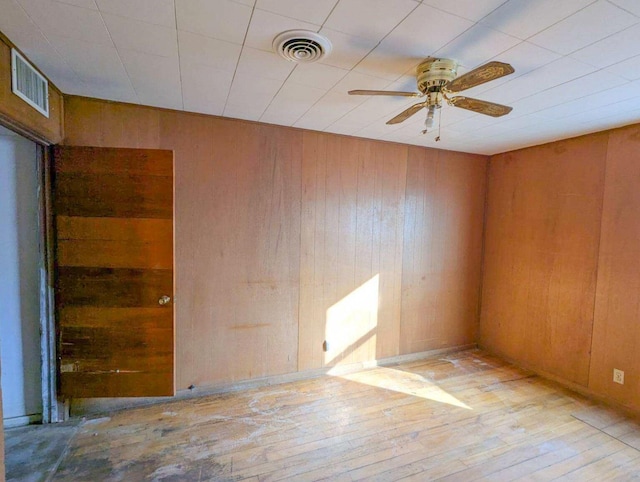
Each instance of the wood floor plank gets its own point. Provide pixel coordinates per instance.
(464, 416)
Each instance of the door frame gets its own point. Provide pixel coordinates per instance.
(53, 408)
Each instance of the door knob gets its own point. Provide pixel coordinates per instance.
(164, 299)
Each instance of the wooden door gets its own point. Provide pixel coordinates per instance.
(113, 213)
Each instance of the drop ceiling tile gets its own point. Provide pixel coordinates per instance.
(155, 79)
(253, 93)
(246, 112)
(142, 37)
(266, 25)
(291, 103)
(317, 75)
(329, 109)
(203, 50)
(250, 3)
(17, 25)
(584, 28)
(603, 99)
(348, 50)
(388, 61)
(611, 50)
(97, 66)
(55, 18)
(575, 89)
(368, 18)
(356, 80)
(630, 5)
(219, 19)
(552, 74)
(264, 64)
(157, 12)
(629, 69)
(477, 45)
(90, 4)
(312, 11)
(423, 32)
(524, 18)
(524, 58)
(377, 110)
(204, 88)
(469, 9)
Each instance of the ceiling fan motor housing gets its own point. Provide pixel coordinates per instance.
(433, 74)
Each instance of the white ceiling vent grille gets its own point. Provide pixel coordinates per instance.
(28, 84)
(302, 46)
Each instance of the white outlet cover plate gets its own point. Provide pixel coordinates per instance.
(618, 376)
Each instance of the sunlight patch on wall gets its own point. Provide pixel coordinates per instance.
(350, 330)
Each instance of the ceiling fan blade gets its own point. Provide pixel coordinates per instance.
(405, 114)
(385, 92)
(480, 75)
(480, 106)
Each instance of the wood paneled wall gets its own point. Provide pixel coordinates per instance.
(541, 251)
(562, 261)
(616, 332)
(286, 239)
(17, 114)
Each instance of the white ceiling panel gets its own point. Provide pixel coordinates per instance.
(155, 79)
(55, 18)
(219, 19)
(629, 69)
(263, 64)
(96, 64)
(312, 11)
(142, 37)
(348, 50)
(204, 88)
(410, 42)
(537, 81)
(581, 87)
(469, 9)
(524, 18)
(90, 4)
(593, 23)
(317, 75)
(208, 51)
(252, 93)
(632, 6)
(291, 103)
(577, 62)
(369, 18)
(611, 50)
(266, 25)
(477, 45)
(157, 12)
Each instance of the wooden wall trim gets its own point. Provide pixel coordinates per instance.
(19, 116)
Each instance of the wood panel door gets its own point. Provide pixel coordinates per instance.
(113, 212)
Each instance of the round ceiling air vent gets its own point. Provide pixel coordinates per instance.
(301, 46)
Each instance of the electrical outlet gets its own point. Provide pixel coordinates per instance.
(618, 376)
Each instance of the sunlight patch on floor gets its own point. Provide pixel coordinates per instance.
(404, 382)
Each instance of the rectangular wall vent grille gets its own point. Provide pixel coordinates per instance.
(28, 84)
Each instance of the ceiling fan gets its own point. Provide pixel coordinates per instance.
(437, 80)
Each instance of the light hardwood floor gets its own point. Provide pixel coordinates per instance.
(463, 416)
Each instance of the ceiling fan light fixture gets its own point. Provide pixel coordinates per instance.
(301, 46)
